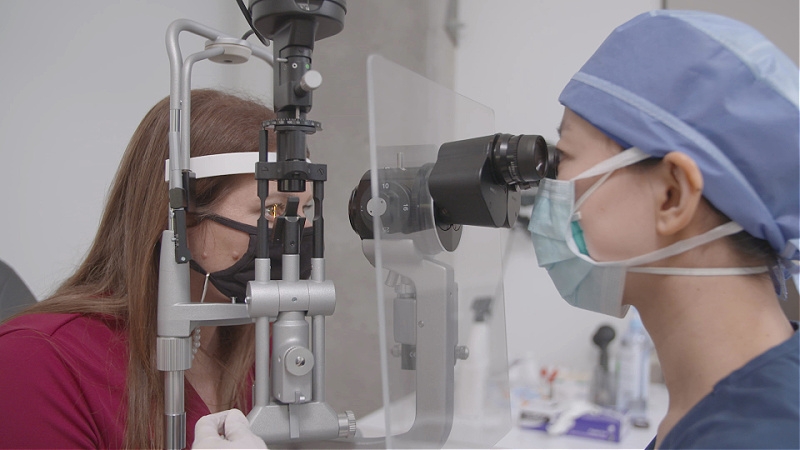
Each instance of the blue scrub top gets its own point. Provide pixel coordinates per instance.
(757, 406)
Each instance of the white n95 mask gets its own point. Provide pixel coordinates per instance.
(582, 281)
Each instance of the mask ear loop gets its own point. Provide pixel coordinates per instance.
(588, 192)
(205, 289)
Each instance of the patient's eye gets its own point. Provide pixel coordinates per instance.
(274, 210)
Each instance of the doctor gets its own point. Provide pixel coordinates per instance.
(678, 192)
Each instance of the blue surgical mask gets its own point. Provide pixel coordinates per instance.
(560, 247)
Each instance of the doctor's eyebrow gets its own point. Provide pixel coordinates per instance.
(558, 130)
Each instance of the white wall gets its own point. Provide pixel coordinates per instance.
(516, 56)
(78, 77)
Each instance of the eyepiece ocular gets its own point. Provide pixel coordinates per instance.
(522, 159)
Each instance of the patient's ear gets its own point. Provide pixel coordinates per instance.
(678, 188)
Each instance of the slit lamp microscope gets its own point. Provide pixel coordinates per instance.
(474, 182)
(289, 403)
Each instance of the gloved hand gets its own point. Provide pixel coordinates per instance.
(226, 429)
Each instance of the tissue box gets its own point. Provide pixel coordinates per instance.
(601, 424)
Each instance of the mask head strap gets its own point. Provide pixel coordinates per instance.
(230, 223)
(625, 158)
(607, 167)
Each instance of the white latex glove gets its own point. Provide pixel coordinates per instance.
(226, 429)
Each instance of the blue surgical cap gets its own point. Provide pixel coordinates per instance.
(716, 90)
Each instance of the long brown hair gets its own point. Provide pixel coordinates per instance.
(119, 276)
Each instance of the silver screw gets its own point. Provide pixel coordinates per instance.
(300, 361)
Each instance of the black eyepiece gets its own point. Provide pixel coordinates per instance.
(522, 159)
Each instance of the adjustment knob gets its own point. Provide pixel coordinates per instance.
(311, 80)
(347, 424)
(298, 361)
(234, 51)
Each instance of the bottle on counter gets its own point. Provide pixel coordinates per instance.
(633, 371)
(603, 388)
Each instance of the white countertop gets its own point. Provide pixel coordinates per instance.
(372, 425)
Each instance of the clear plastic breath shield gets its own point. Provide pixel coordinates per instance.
(440, 295)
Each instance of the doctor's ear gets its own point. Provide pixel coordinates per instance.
(678, 189)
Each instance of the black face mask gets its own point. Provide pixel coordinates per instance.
(232, 282)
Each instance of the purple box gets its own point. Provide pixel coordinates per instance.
(606, 425)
